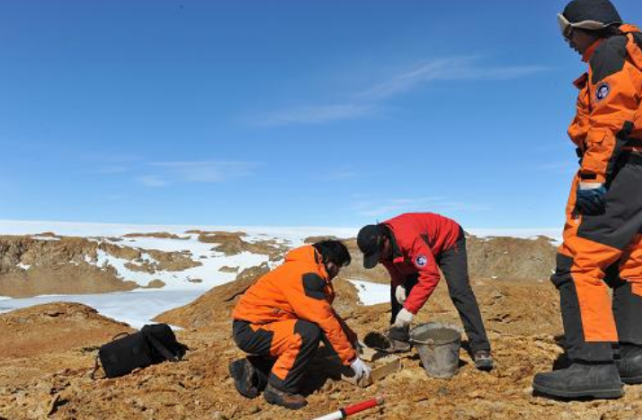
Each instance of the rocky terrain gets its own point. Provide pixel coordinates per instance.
(47, 352)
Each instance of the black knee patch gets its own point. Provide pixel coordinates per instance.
(562, 273)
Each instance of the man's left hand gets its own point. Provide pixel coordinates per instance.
(404, 318)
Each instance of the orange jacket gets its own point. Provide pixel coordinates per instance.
(609, 114)
(297, 289)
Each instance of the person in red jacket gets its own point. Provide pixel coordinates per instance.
(281, 319)
(603, 231)
(413, 247)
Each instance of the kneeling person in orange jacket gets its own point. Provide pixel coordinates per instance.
(285, 315)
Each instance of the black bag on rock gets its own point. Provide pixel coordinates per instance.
(152, 344)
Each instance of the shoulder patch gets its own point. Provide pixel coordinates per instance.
(608, 59)
(314, 286)
(421, 260)
(602, 91)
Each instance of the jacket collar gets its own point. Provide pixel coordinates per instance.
(308, 254)
(591, 50)
(397, 255)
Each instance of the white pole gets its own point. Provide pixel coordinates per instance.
(337, 415)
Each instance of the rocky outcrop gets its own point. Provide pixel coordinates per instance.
(32, 266)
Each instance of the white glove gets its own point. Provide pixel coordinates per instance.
(400, 294)
(404, 318)
(361, 370)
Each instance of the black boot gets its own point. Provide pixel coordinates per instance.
(483, 360)
(245, 379)
(630, 364)
(292, 401)
(580, 380)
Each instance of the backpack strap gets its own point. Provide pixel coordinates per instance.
(92, 375)
(162, 349)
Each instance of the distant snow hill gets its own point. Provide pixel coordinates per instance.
(173, 265)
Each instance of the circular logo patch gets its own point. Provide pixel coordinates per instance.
(421, 260)
(602, 91)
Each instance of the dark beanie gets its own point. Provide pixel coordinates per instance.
(601, 11)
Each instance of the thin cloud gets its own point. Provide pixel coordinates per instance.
(369, 102)
(339, 174)
(446, 69)
(152, 181)
(563, 167)
(318, 114)
(387, 208)
(207, 172)
(164, 174)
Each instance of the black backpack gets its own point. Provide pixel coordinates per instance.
(152, 344)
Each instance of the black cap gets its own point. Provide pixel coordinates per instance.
(602, 11)
(370, 240)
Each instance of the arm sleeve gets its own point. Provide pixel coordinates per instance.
(614, 91)
(310, 304)
(424, 261)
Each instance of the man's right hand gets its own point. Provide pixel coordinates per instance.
(400, 294)
(360, 369)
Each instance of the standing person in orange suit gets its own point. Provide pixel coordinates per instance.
(603, 228)
(284, 316)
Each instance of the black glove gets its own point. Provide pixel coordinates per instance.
(591, 199)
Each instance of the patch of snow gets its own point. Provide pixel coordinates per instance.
(136, 309)
(555, 234)
(208, 272)
(294, 235)
(45, 238)
(372, 293)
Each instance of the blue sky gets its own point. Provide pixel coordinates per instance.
(325, 113)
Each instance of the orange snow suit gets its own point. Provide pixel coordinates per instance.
(284, 314)
(607, 130)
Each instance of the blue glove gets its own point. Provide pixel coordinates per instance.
(591, 199)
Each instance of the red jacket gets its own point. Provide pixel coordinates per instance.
(420, 239)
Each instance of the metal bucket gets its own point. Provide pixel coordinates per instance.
(438, 346)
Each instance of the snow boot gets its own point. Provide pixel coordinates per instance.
(245, 379)
(581, 381)
(483, 360)
(630, 364)
(284, 399)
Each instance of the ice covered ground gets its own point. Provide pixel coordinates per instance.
(135, 308)
(140, 306)
(369, 293)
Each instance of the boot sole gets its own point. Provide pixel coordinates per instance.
(634, 380)
(270, 399)
(237, 372)
(609, 394)
(484, 366)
